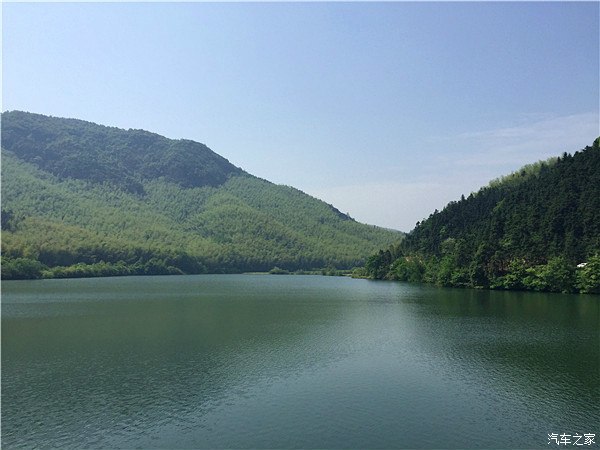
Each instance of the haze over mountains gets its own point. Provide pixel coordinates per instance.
(81, 199)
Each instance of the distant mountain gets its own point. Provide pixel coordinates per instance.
(529, 230)
(80, 199)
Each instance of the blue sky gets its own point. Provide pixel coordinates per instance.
(386, 110)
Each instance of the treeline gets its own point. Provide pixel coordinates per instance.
(57, 223)
(26, 268)
(537, 229)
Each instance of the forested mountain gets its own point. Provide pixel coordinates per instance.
(80, 199)
(529, 230)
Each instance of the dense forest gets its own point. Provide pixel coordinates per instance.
(80, 199)
(536, 229)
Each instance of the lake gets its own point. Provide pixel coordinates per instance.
(264, 361)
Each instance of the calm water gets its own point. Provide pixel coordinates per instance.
(293, 361)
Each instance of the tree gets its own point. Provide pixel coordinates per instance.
(21, 268)
(588, 277)
(527, 230)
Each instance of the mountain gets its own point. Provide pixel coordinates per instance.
(81, 199)
(530, 230)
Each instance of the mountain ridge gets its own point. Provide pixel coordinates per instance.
(535, 229)
(129, 199)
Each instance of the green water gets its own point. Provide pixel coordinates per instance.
(293, 361)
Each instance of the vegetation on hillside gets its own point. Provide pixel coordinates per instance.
(70, 148)
(80, 199)
(537, 229)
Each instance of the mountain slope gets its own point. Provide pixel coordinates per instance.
(83, 199)
(526, 231)
(70, 148)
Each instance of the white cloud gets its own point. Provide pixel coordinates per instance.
(526, 143)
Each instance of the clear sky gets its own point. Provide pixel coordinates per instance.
(386, 110)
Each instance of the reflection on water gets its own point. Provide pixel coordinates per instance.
(293, 361)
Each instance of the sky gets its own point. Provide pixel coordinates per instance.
(386, 110)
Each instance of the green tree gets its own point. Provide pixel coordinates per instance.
(527, 230)
(21, 268)
(588, 277)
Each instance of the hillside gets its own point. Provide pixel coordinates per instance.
(80, 199)
(528, 230)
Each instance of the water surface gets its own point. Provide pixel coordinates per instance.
(260, 361)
